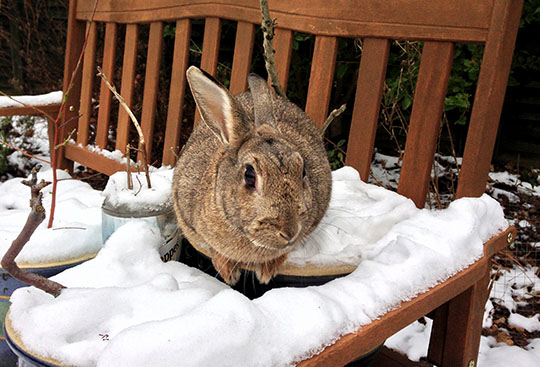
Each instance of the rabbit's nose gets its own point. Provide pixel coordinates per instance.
(290, 236)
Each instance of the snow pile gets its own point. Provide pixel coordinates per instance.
(77, 225)
(413, 341)
(126, 308)
(39, 100)
(140, 198)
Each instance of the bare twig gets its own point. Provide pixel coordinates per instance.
(267, 26)
(57, 125)
(128, 168)
(36, 216)
(23, 152)
(335, 113)
(142, 145)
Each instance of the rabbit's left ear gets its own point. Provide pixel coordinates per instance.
(262, 100)
(218, 108)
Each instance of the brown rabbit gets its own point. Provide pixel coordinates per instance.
(253, 178)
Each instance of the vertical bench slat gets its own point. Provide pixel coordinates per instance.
(72, 82)
(489, 99)
(177, 90)
(433, 76)
(88, 74)
(105, 95)
(320, 79)
(283, 41)
(367, 103)
(151, 84)
(243, 51)
(127, 84)
(210, 51)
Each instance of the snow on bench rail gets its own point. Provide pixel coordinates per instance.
(37, 100)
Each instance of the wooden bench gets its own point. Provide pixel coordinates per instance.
(457, 305)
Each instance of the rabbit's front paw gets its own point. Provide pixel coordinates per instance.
(266, 271)
(228, 269)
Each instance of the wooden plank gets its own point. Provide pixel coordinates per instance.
(283, 42)
(464, 324)
(210, 51)
(433, 76)
(438, 335)
(369, 90)
(151, 81)
(176, 94)
(87, 88)
(51, 109)
(489, 98)
(127, 85)
(93, 159)
(72, 81)
(388, 357)
(320, 79)
(105, 95)
(350, 346)
(243, 51)
(459, 20)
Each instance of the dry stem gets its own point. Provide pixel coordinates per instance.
(36, 216)
(333, 115)
(23, 152)
(267, 26)
(142, 145)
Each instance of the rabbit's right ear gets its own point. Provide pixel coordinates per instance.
(217, 107)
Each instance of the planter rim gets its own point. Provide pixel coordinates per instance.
(14, 341)
(53, 264)
(124, 210)
(309, 270)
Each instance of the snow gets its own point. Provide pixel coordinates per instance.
(38, 100)
(413, 341)
(140, 198)
(77, 226)
(30, 134)
(530, 324)
(142, 309)
(493, 354)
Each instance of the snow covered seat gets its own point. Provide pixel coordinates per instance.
(456, 304)
(147, 309)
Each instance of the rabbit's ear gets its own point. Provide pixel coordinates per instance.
(262, 100)
(217, 107)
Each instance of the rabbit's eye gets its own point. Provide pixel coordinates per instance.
(249, 176)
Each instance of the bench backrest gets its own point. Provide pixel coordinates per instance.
(439, 23)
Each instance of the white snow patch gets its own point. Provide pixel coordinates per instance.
(37, 100)
(77, 226)
(530, 324)
(139, 198)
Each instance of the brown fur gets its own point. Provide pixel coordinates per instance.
(214, 206)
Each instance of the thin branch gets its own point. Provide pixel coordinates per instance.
(128, 168)
(23, 152)
(333, 115)
(142, 144)
(36, 216)
(57, 125)
(267, 26)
